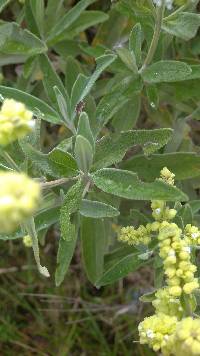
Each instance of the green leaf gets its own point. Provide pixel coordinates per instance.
(108, 106)
(39, 107)
(84, 129)
(152, 95)
(195, 206)
(93, 238)
(111, 149)
(67, 20)
(56, 164)
(186, 214)
(97, 210)
(83, 153)
(126, 184)
(77, 92)
(149, 169)
(121, 268)
(38, 159)
(62, 162)
(34, 14)
(148, 297)
(166, 71)
(64, 108)
(195, 73)
(15, 40)
(68, 238)
(3, 3)
(83, 85)
(86, 20)
(135, 42)
(127, 58)
(51, 79)
(130, 111)
(184, 25)
(73, 69)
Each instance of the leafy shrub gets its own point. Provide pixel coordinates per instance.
(118, 85)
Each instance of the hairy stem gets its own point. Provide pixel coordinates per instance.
(156, 36)
(57, 182)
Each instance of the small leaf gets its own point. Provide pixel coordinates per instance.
(127, 58)
(15, 40)
(184, 25)
(51, 79)
(148, 297)
(62, 162)
(83, 153)
(68, 238)
(166, 71)
(97, 210)
(93, 238)
(77, 92)
(64, 108)
(68, 19)
(38, 159)
(83, 85)
(135, 42)
(34, 14)
(126, 185)
(152, 95)
(86, 20)
(84, 129)
(121, 269)
(39, 107)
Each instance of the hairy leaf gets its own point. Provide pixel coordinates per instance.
(68, 237)
(93, 237)
(39, 107)
(97, 210)
(126, 184)
(111, 149)
(184, 165)
(166, 71)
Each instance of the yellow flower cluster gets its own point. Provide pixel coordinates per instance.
(156, 329)
(161, 212)
(175, 253)
(15, 121)
(166, 304)
(134, 236)
(27, 241)
(192, 235)
(186, 338)
(19, 196)
(167, 176)
(169, 330)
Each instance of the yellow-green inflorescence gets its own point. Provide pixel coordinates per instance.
(27, 241)
(170, 329)
(19, 197)
(15, 121)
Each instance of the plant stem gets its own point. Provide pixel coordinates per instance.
(57, 182)
(9, 160)
(156, 36)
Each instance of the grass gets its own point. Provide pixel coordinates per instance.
(75, 319)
